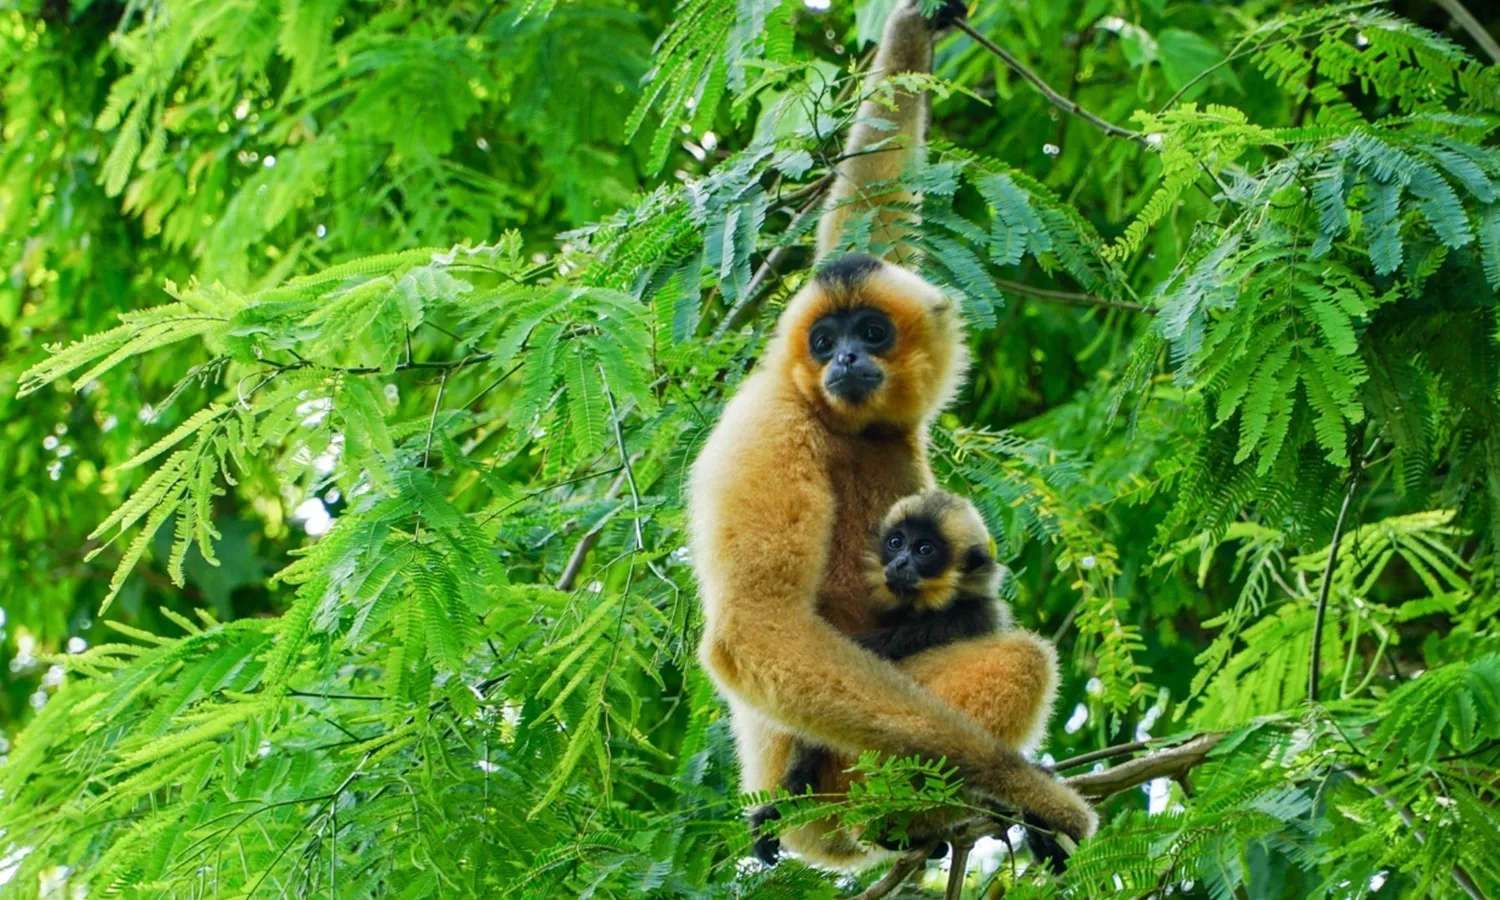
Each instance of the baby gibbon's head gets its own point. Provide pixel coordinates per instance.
(869, 343)
(930, 548)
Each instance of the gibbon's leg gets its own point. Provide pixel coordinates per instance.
(1006, 681)
(823, 686)
(898, 125)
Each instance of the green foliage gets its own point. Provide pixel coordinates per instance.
(354, 564)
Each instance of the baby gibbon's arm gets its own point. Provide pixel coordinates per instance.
(899, 130)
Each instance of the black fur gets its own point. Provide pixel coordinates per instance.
(976, 558)
(906, 632)
(948, 13)
(1044, 845)
(847, 271)
(767, 844)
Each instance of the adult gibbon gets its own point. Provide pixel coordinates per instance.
(813, 448)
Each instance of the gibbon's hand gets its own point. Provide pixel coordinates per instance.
(946, 14)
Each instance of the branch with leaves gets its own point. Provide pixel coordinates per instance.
(1173, 762)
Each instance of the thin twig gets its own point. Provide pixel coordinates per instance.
(1071, 298)
(1316, 663)
(432, 422)
(1460, 877)
(330, 696)
(1473, 26)
(629, 472)
(1083, 759)
(1237, 54)
(1067, 105)
(438, 364)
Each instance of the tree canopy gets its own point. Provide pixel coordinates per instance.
(354, 354)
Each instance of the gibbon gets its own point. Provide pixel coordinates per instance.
(931, 568)
(813, 448)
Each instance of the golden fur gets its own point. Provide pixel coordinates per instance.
(897, 121)
(782, 499)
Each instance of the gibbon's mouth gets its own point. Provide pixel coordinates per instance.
(852, 385)
(903, 588)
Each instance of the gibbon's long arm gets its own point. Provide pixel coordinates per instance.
(762, 554)
(897, 122)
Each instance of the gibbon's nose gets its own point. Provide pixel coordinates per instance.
(851, 375)
(900, 574)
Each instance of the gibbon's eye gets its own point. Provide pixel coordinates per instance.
(894, 541)
(822, 344)
(925, 548)
(873, 333)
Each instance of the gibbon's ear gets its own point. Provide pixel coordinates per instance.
(976, 558)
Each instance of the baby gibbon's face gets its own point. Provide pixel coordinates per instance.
(913, 551)
(930, 548)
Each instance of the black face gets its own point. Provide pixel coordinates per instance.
(912, 552)
(846, 343)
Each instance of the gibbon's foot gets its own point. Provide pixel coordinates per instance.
(767, 844)
(1045, 844)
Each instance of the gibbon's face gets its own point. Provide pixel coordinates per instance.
(930, 547)
(870, 344)
(913, 551)
(848, 345)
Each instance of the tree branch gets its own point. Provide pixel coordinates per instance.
(899, 872)
(1170, 762)
(1473, 26)
(586, 543)
(957, 868)
(1173, 762)
(1066, 104)
(750, 300)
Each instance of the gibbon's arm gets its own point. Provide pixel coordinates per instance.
(762, 554)
(905, 46)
